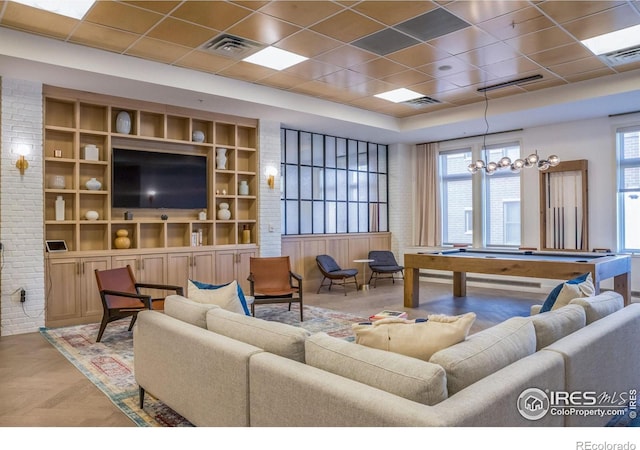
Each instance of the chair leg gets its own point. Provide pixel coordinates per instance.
(321, 284)
(355, 280)
(301, 309)
(141, 396)
(344, 285)
(103, 325)
(375, 279)
(253, 309)
(133, 321)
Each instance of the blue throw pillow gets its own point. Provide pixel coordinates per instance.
(243, 301)
(553, 295)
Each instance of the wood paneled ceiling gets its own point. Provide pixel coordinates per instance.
(444, 50)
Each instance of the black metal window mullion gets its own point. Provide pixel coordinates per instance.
(360, 202)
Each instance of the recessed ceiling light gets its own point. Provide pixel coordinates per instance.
(616, 40)
(75, 9)
(275, 58)
(399, 95)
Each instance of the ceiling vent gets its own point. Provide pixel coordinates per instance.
(422, 101)
(624, 56)
(231, 46)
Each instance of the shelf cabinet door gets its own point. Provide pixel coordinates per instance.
(242, 267)
(91, 304)
(179, 269)
(64, 289)
(203, 267)
(234, 265)
(197, 266)
(225, 266)
(150, 268)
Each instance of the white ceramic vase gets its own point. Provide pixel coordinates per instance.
(92, 215)
(243, 189)
(197, 136)
(123, 122)
(93, 184)
(57, 182)
(221, 158)
(223, 212)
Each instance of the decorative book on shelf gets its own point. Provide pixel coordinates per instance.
(387, 314)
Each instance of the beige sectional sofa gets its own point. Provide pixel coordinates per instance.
(218, 368)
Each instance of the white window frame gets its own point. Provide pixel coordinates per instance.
(477, 146)
(621, 191)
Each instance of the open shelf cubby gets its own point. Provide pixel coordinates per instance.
(81, 129)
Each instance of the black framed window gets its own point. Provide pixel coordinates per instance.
(332, 184)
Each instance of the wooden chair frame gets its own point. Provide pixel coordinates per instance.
(294, 287)
(111, 313)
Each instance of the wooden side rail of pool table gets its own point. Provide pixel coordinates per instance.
(602, 267)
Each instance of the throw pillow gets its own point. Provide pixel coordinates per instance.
(418, 338)
(582, 284)
(228, 296)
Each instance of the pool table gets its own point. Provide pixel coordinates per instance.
(528, 263)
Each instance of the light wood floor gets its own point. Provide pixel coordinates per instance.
(39, 387)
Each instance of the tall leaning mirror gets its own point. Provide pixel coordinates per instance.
(564, 207)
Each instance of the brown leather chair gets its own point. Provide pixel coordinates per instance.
(121, 297)
(272, 281)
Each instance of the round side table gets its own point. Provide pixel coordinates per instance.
(364, 286)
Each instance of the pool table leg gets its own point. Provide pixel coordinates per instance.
(411, 287)
(459, 284)
(622, 285)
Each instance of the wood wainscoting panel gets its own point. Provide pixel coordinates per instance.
(344, 248)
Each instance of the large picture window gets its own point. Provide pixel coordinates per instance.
(332, 184)
(457, 197)
(502, 199)
(628, 153)
(492, 202)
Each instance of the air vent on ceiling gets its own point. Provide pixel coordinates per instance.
(422, 101)
(625, 56)
(231, 46)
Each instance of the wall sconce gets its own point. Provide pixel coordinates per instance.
(271, 172)
(22, 150)
(22, 164)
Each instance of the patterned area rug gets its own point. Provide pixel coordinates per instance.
(109, 363)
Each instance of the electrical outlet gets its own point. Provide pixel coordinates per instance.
(23, 296)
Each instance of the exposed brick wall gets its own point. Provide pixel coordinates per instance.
(401, 191)
(21, 208)
(269, 204)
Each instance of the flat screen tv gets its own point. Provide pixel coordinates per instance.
(144, 179)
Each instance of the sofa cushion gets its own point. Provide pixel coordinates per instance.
(274, 337)
(553, 325)
(227, 296)
(563, 293)
(416, 338)
(416, 380)
(486, 352)
(600, 305)
(186, 310)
